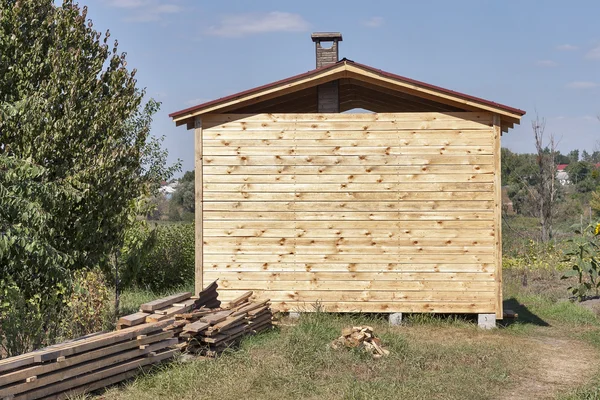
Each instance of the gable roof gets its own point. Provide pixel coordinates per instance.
(364, 87)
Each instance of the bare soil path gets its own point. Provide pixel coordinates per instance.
(559, 365)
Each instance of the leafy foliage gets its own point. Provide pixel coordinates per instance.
(88, 306)
(585, 265)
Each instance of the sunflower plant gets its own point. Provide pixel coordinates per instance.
(584, 261)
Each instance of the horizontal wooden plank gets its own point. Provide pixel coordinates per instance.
(426, 258)
(355, 285)
(345, 151)
(344, 125)
(297, 276)
(313, 296)
(351, 134)
(388, 307)
(344, 179)
(349, 187)
(164, 302)
(345, 169)
(229, 242)
(346, 196)
(434, 215)
(392, 139)
(482, 117)
(373, 206)
(364, 225)
(432, 159)
(350, 233)
(301, 251)
(349, 267)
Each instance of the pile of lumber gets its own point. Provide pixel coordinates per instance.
(85, 364)
(161, 329)
(168, 307)
(360, 337)
(209, 332)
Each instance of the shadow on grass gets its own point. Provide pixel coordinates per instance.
(525, 316)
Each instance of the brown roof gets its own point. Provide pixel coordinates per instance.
(198, 108)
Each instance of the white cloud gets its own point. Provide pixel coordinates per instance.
(255, 23)
(593, 54)
(566, 47)
(373, 22)
(146, 10)
(582, 85)
(546, 63)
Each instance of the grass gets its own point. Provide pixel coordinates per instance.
(554, 341)
(432, 356)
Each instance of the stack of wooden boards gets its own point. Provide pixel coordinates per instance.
(169, 325)
(168, 307)
(85, 364)
(209, 332)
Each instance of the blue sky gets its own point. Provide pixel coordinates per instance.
(532, 55)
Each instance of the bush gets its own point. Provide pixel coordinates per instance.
(167, 263)
(88, 309)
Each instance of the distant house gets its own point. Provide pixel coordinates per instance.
(167, 189)
(562, 175)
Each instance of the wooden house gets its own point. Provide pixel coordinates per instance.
(396, 210)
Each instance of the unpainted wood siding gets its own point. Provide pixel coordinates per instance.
(355, 212)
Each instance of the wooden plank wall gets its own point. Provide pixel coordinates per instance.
(359, 212)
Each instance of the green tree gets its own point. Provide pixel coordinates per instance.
(71, 108)
(573, 156)
(184, 196)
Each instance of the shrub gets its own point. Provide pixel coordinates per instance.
(168, 262)
(88, 309)
(585, 264)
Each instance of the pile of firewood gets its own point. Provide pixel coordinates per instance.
(361, 337)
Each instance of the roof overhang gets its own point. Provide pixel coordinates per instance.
(346, 69)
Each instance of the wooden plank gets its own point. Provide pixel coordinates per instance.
(85, 367)
(316, 249)
(404, 137)
(199, 199)
(345, 151)
(296, 276)
(333, 232)
(349, 267)
(227, 323)
(164, 302)
(66, 385)
(388, 307)
(409, 160)
(350, 187)
(350, 215)
(230, 242)
(365, 225)
(103, 340)
(414, 138)
(481, 117)
(346, 196)
(427, 258)
(229, 335)
(196, 327)
(312, 296)
(341, 179)
(133, 319)
(345, 169)
(356, 285)
(241, 299)
(345, 125)
(498, 214)
(81, 358)
(216, 317)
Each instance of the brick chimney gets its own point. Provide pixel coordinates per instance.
(326, 55)
(329, 101)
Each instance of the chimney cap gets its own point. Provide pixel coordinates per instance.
(326, 37)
